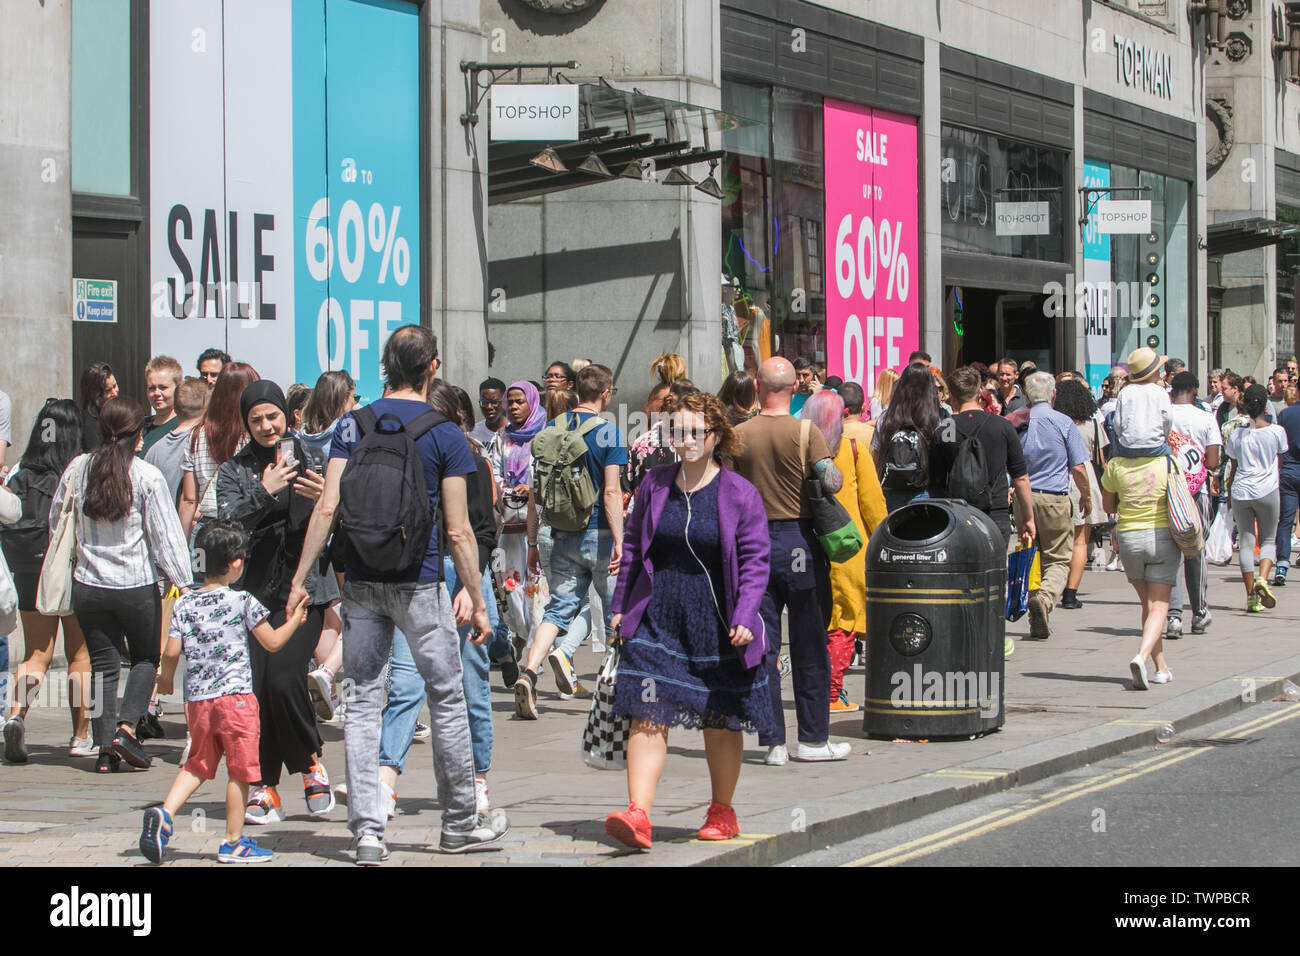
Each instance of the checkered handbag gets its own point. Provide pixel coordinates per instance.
(604, 739)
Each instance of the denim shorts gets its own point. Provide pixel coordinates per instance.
(1150, 556)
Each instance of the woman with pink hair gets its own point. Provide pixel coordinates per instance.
(850, 443)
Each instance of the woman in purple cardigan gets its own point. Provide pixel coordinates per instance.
(694, 569)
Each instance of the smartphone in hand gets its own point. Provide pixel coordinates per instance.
(284, 453)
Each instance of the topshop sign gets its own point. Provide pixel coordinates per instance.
(1144, 68)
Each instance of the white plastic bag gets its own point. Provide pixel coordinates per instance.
(1218, 545)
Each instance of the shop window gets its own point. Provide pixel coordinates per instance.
(101, 97)
(1288, 275)
(981, 176)
(773, 226)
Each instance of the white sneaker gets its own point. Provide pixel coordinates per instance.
(1115, 564)
(777, 756)
(1162, 677)
(481, 803)
(82, 747)
(371, 851)
(320, 688)
(823, 751)
(1138, 668)
(487, 829)
(422, 732)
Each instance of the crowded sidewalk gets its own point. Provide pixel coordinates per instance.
(51, 814)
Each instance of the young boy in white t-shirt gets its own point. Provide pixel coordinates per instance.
(213, 625)
(1141, 420)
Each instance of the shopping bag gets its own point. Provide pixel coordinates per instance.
(8, 599)
(604, 739)
(1018, 567)
(1036, 572)
(1218, 546)
(54, 589)
(1184, 516)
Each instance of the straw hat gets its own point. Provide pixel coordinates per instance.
(1144, 365)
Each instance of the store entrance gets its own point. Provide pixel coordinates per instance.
(985, 325)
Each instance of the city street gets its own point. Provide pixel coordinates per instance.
(1221, 795)
(1069, 704)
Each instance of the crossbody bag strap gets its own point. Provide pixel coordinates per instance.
(805, 427)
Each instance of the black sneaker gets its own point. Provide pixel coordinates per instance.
(129, 749)
(1071, 603)
(509, 670)
(148, 727)
(487, 829)
(525, 698)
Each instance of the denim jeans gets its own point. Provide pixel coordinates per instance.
(1289, 498)
(1195, 568)
(568, 641)
(406, 690)
(896, 499)
(579, 559)
(371, 612)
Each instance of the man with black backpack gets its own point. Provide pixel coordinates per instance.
(974, 453)
(578, 462)
(396, 470)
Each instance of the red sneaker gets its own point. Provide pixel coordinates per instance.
(630, 826)
(719, 823)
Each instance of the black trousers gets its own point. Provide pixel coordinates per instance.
(799, 583)
(289, 735)
(119, 624)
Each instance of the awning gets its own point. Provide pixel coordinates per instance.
(1241, 235)
(618, 132)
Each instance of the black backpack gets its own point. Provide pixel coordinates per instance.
(385, 518)
(903, 471)
(968, 478)
(26, 540)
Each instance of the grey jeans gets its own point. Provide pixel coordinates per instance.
(423, 613)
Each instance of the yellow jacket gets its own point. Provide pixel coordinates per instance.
(865, 502)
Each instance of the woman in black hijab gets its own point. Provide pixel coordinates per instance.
(268, 488)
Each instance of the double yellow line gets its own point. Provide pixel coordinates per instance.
(996, 820)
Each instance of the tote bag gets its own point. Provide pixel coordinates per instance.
(604, 739)
(8, 599)
(54, 590)
(1184, 517)
(1018, 567)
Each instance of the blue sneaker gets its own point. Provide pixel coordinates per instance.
(1279, 576)
(245, 851)
(155, 833)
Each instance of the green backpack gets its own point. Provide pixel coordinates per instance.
(562, 485)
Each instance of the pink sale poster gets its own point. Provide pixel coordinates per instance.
(872, 319)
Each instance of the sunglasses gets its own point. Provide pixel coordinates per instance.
(681, 435)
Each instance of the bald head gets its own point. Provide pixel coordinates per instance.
(776, 385)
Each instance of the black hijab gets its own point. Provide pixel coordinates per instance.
(261, 392)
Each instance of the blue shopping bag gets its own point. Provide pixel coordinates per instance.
(1019, 565)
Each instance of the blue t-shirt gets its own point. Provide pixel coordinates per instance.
(444, 451)
(605, 446)
(796, 403)
(1290, 420)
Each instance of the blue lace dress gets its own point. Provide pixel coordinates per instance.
(679, 668)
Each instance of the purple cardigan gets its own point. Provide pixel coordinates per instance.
(745, 551)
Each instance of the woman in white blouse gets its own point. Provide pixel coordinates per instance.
(126, 529)
(1254, 454)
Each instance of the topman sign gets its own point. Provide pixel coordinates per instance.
(1144, 68)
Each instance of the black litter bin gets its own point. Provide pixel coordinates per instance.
(936, 618)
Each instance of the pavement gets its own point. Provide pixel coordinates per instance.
(1068, 701)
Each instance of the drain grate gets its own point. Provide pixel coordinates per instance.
(1214, 742)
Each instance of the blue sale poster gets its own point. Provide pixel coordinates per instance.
(287, 230)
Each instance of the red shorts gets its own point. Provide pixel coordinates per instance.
(229, 726)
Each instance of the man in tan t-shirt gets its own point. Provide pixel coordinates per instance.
(799, 583)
